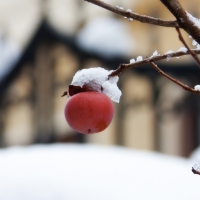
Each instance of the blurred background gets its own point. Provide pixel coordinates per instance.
(44, 42)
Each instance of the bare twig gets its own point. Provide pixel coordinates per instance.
(194, 55)
(174, 80)
(132, 15)
(169, 55)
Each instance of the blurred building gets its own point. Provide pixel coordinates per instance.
(44, 42)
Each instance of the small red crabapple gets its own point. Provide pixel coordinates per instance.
(89, 112)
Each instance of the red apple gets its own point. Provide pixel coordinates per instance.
(89, 112)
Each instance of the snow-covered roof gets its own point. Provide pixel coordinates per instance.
(9, 55)
(20, 19)
(106, 36)
(18, 23)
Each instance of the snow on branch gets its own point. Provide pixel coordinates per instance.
(194, 20)
(196, 167)
(153, 58)
(131, 15)
(156, 57)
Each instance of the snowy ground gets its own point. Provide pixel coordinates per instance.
(76, 172)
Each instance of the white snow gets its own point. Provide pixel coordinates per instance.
(183, 49)
(198, 46)
(196, 165)
(169, 55)
(129, 10)
(195, 156)
(119, 7)
(132, 60)
(106, 36)
(155, 53)
(169, 52)
(97, 78)
(139, 58)
(194, 20)
(197, 87)
(168, 58)
(194, 43)
(77, 172)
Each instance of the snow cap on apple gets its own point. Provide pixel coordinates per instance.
(97, 79)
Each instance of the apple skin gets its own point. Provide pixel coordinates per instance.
(89, 112)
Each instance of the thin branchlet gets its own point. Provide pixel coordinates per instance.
(173, 79)
(132, 15)
(193, 54)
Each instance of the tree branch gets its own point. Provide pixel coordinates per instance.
(182, 18)
(174, 80)
(169, 55)
(183, 21)
(131, 15)
(194, 55)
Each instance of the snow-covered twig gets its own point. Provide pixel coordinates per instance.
(158, 57)
(174, 80)
(131, 15)
(194, 55)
